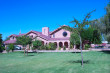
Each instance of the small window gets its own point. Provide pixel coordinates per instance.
(13, 37)
(31, 36)
(64, 33)
(54, 35)
(44, 31)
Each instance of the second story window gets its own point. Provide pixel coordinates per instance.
(31, 36)
(12, 37)
(54, 35)
(44, 31)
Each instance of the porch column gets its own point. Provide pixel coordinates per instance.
(63, 45)
(57, 45)
(68, 44)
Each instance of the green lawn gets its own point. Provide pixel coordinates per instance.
(94, 62)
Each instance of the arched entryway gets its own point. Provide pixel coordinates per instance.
(55, 44)
(61, 44)
(42, 42)
(66, 44)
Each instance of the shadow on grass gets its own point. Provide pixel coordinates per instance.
(79, 61)
(75, 52)
(32, 52)
(107, 52)
(29, 55)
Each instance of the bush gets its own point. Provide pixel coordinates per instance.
(7, 49)
(71, 46)
(44, 47)
(11, 47)
(64, 48)
(59, 48)
(87, 46)
(37, 44)
(2, 48)
(52, 46)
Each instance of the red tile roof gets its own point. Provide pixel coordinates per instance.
(10, 42)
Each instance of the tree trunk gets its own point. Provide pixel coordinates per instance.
(81, 49)
(75, 48)
(27, 52)
(24, 50)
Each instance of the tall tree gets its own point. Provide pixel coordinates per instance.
(74, 39)
(107, 18)
(79, 25)
(1, 47)
(24, 40)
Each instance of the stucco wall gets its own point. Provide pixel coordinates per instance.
(11, 38)
(32, 34)
(59, 34)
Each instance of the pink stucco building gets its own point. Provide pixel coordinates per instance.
(59, 36)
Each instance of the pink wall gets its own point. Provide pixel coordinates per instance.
(11, 38)
(32, 34)
(45, 31)
(59, 34)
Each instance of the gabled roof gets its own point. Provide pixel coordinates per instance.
(16, 35)
(10, 42)
(36, 32)
(57, 29)
(39, 34)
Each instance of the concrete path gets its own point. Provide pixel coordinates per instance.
(61, 51)
(99, 49)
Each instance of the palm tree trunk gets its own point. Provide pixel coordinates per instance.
(81, 49)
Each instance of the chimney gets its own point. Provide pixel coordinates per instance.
(45, 31)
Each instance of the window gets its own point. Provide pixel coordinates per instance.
(44, 31)
(54, 35)
(31, 36)
(64, 33)
(13, 37)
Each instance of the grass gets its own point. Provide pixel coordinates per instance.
(16, 62)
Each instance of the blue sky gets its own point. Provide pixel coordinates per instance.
(34, 14)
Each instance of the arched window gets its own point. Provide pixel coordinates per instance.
(66, 44)
(64, 33)
(61, 44)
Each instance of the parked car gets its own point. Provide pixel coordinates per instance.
(99, 47)
(17, 48)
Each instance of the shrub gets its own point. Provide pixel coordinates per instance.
(64, 48)
(7, 49)
(59, 48)
(44, 47)
(48, 47)
(71, 46)
(87, 46)
(52, 46)
(2, 48)
(11, 47)
(37, 44)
